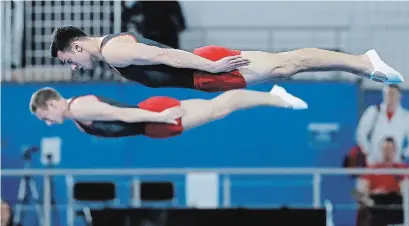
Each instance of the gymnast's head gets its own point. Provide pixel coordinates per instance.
(71, 45)
(48, 105)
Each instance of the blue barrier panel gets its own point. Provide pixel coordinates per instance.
(261, 137)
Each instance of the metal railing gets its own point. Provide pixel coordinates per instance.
(270, 32)
(317, 174)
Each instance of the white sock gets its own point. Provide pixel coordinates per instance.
(293, 101)
(392, 76)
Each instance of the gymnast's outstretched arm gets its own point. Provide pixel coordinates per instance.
(140, 54)
(89, 108)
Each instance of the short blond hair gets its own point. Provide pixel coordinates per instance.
(40, 98)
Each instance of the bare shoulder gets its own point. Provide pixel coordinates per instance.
(115, 50)
(121, 40)
(82, 104)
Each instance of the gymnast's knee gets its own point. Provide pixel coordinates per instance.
(220, 113)
(225, 104)
(290, 63)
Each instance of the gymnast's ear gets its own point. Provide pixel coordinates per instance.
(51, 103)
(76, 47)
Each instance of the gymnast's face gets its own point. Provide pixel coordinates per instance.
(391, 95)
(52, 114)
(388, 151)
(77, 58)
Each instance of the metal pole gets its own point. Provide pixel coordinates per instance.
(47, 201)
(7, 40)
(2, 38)
(18, 31)
(136, 192)
(405, 203)
(316, 190)
(70, 208)
(117, 16)
(226, 191)
(329, 211)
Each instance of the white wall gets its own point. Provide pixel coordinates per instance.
(276, 26)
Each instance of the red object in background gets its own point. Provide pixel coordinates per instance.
(385, 183)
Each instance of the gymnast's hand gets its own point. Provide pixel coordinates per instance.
(170, 115)
(229, 63)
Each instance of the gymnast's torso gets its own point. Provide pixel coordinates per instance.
(112, 128)
(153, 75)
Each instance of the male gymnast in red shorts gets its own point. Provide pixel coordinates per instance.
(210, 68)
(156, 117)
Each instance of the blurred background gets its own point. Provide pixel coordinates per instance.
(334, 133)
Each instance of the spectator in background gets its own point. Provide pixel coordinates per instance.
(386, 119)
(6, 214)
(161, 21)
(355, 158)
(374, 190)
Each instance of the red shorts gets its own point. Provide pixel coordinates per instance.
(161, 130)
(209, 82)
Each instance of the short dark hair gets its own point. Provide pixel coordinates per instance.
(40, 97)
(389, 139)
(63, 37)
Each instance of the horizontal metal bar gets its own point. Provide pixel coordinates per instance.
(230, 171)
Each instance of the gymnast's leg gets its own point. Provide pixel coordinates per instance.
(266, 66)
(199, 111)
